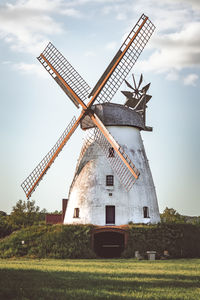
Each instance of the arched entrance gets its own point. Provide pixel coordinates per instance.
(109, 242)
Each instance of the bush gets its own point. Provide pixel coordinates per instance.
(57, 241)
(180, 240)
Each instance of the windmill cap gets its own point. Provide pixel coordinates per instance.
(113, 114)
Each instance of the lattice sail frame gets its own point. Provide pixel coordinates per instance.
(94, 135)
(131, 50)
(65, 70)
(30, 182)
(125, 176)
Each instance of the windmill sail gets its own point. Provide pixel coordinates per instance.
(112, 63)
(37, 174)
(123, 173)
(123, 62)
(119, 167)
(63, 73)
(108, 141)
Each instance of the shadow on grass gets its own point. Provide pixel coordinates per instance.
(34, 284)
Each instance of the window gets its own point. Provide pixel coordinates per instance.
(109, 180)
(76, 213)
(110, 214)
(146, 212)
(111, 152)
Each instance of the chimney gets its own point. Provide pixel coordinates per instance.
(64, 207)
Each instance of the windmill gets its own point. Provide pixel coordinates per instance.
(94, 119)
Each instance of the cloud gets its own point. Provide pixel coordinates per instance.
(37, 5)
(111, 46)
(71, 12)
(121, 16)
(6, 62)
(191, 79)
(89, 53)
(107, 9)
(117, 9)
(172, 75)
(174, 51)
(175, 45)
(194, 3)
(55, 6)
(30, 69)
(27, 24)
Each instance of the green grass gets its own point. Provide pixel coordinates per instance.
(26, 279)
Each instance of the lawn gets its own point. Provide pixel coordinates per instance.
(26, 279)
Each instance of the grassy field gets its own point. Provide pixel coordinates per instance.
(99, 279)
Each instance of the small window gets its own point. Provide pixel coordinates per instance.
(146, 212)
(76, 213)
(109, 180)
(111, 152)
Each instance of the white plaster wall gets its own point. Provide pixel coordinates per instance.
(90, 193)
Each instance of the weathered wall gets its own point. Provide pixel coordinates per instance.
(90, 194)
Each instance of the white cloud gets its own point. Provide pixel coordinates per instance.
(107, 9)
(90, 53)
(175, 45)
(27, 24)
(172, 75)
(71, 12)
(30, 69)
(37, 5)
(117, 9)
(174, 51)
(121, 16)
(6, 62)
(191, 79)
(56, 6)
(194, 3)
(111, 46)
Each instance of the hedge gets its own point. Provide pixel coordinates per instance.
(180, 240)
(74, 241)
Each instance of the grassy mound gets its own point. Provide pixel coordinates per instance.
(74, 241)
(58, 241)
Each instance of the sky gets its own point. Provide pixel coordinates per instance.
(35, 111)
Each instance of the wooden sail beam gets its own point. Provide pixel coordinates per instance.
(114, 144)
(74, 95)
(31, 182)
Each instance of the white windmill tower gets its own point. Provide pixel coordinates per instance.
(102, 192)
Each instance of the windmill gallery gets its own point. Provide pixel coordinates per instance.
(112, 184)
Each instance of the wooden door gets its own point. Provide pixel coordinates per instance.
(110, 214)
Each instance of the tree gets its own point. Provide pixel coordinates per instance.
(2, 213)
(25, 213)
(5, 227)
(170, 215)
